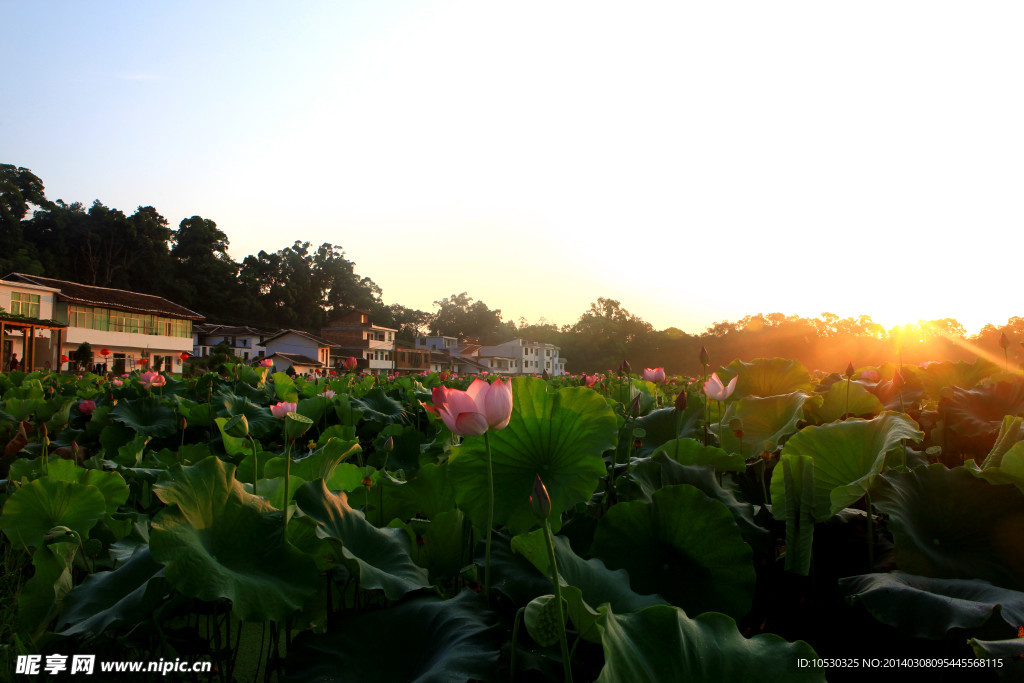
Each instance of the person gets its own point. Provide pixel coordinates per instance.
(12, 365)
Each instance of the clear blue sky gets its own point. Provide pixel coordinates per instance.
(696, 161)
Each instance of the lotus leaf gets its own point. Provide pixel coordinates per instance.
(379, 557)
(767, 377)
(443, 641)
(149, 416)
(662, 643)
(683, 545)
(560, 436)
(42, 504)
(861, 402)
(950, 524)
(217, 541)
(766, 422)
(924, 607)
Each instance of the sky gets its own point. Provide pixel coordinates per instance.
(696, 161)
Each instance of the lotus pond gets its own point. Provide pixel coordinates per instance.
(355, 536)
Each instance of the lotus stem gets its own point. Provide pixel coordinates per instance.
(563, 641)
(846, 414)
(871, 534)
(287, 475)
(255, 467)
(515, 635)
(490, 519)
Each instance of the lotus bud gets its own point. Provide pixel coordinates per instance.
(634, 406)
(1004, 341)
(237, 426)
(624, 368)
(736, 425)
(545, 375)
(681, 401)
(389, 444)
(637, 443)
(367, 482)
(74, 450)
(540, 501)
(850, 370)
(704, 357)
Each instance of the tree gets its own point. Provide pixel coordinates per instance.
(460, 316)
(206, 277)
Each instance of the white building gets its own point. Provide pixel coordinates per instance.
(246, 342)
(515, 357)
(129, 326)
(27, 328)
(298, 350)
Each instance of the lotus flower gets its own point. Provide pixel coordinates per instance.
(86, 407)
(116, 382)
(266, 362)
(715, 390)
(327, 393)
(870, 375)
(472, 412)
(279, 410)
(350, 363)
(152, 379)
(656, 375)
(590, 380)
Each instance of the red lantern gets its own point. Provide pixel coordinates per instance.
(143, 361)
(64, 359)
(104, 352)
(183, 356)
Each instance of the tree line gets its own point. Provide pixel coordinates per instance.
(301, 286)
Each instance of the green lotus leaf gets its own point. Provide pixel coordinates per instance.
(793, 501)
(40, 598)
(1010, 434)
(1011, 651)
(766, 422)
(950, 524)
(692, 452)
(128, 595)
(195, 413)
(666, 424)
(972, 417)
(767, 377)
(662, 643)
(217, 541)
(376, 406)
(660, 471)
(683, 545)
(149, 416)
(272, 488)
(42, 504)
(861, 402)
(379, 557)
(427, 493)
(319, 464)
(937, 376)
(439, 543)
(847, 455)
(1010, 469)
(284, 388)
(442, 641)
(595, 584)
(924, 607)
(560, 436)
(262, 423)
(626, 393)
(23, 409)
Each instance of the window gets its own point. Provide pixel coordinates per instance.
(78, 316)
(25, 304)
(117, 321)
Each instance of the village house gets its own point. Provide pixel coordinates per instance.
(137, 330)
(301, 351)
(246, 342)
(373, 346)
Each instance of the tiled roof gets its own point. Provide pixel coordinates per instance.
(119, 299)
(232, 330)
(312, 337)
(298, 359)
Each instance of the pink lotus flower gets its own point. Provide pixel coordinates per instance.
(714, 389)
(116, 382)
(155, 380)
(350, 363)
(86, 407)
(870, 375)
(327, 393)
(266, 362)
(147, 376)
(590, 380)
(656, 375)
(279, 410)
(472, 412)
